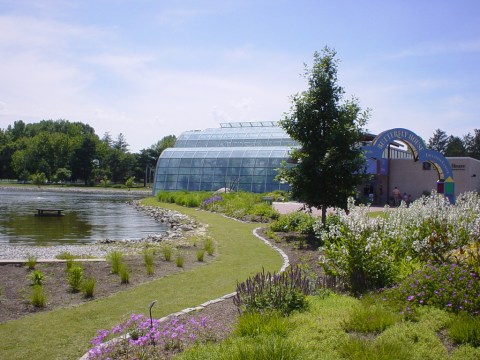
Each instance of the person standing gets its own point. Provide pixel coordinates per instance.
(396, 196)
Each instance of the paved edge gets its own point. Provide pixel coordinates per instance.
(286, 264)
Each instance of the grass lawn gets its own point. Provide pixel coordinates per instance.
(64, 333)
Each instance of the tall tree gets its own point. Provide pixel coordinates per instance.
(329, 160)
(455, 147)
(439, 141)
(472, 144)
(121, 143)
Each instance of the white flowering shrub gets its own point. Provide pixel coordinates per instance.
(371, 252)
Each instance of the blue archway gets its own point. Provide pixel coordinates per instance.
(417, 147)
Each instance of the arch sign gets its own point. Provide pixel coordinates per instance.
(415, 144)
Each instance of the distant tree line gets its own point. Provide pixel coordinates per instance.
(454, 146)
(67, 151)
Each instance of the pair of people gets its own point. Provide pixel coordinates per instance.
(397, 198)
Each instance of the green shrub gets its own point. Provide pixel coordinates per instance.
(148, 256)
(124, 273)
(209, 246)
(69, 263)
(38, 297)
(65, 255)
(115, 259)
(264, 323)
(271, 235)
(37, 277)
(283, 292)
(200, 255)
(167, 252)
(75, 277)
(180, 260)
(184, 198)
(465, 329)
(373, 318)
(31, 261)
(359, 349)
(88, 287)
(450, 287)
(296, 221)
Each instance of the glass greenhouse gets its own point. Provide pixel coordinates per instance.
(239, 156)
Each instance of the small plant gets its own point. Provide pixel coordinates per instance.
(200, 255)
(148, 256)
(373, 318)
(2, 296)
(180, 260)
(37, 277)
(465, 329)
(88, 287)
(124, 273)
(174, 335)
(209, 246)
(75, 277)
(115, 259)
(38, 297)
(167, 252)
(65, 255)
(261, 324)
(31, 261)
(283, 292)
(69, 263)
(354, 348)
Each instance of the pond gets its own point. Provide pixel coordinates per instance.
(88, 217)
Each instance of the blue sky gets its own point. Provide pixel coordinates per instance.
(150, 68)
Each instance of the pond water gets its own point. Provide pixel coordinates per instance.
(87, 218)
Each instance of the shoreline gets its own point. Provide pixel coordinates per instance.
(180, 227)
(86, 190)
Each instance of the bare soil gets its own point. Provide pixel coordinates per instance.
(16, 284)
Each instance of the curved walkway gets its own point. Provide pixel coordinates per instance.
(65, 333)
(286, 263)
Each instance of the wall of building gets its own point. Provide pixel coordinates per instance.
(412, 178)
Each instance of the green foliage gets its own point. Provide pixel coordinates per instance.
(130, 182)
(241, 205)
(283, 292)
(358, 349)
(261, 323)
(88, 287)
(209, 246)
(200, 255)
(115, 259)
(38, 297)
(371, 318)
(180, 260)
(296, 221)
(329, 161)
(37, 277)
(167, 252)
(38, 179)
(124, 273)
(65, 255)
(453, 288)
(183, 198)
(31, 261)
(148, 256)
(75, 278)
(465, 329)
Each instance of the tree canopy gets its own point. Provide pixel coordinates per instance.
(329, 159)
(70, 151)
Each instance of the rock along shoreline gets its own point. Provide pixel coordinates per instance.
(179, 227)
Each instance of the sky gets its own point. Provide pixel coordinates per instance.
(148, 69)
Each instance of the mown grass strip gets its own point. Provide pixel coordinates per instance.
(64, 333)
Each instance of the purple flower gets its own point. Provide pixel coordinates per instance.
(411, 297)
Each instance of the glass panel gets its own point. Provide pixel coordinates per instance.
(198, 163)
(174, 163)
(196, 170)
(186, 162)
(258, 188)
(259, 171)
(171, 178)
(258, 179)
(206, 186)
(275, 162)
(235, 162)
(202, 143)
(207, 178)
(246, 171)
(261, 162)
(248, 163)
(170, 186)
(221, 162)
(233, 171)
(209, 162)
(184, 170)
(194, 186)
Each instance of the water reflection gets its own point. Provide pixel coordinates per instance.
(88, 217)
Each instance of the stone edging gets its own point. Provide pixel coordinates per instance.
(286, 263)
